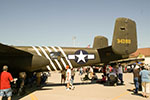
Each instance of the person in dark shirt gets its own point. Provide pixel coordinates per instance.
(136, 78)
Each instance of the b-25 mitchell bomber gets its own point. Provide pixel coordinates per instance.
(49, 58)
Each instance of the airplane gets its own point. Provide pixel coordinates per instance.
(31, 59)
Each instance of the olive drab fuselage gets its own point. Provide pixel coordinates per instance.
(51, 58)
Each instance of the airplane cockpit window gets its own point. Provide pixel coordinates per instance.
(55, 55)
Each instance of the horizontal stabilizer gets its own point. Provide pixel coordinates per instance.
(107, 55)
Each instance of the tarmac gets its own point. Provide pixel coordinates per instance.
(84, 90)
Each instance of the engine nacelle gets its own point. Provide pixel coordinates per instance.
(38, 62)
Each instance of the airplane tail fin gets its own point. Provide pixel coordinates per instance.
(124, 38)
(100, 42)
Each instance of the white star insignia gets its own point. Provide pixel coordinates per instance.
(81, 57)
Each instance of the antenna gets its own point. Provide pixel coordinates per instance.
(74, 40)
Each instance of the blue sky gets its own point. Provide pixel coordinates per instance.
(56, 22)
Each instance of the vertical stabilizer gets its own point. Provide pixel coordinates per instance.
(124, 37)
(100, 42)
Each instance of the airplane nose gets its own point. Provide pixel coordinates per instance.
(39, 61)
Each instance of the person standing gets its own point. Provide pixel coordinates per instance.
(120, 73)
(107, 71)
(136, 76)
(63, 76)
(104, 70)
(72, 78)
(5, 87)
(91, 72)
(145, 77)
(81, 70)
(68, 77)
(21, 83)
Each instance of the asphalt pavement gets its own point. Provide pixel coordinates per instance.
(84, 90)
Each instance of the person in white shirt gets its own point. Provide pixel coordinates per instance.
(68, 77)
(120, 73)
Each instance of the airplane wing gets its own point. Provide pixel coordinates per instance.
(129, 60)
(108, 56)
(19, 60)
(6, 50)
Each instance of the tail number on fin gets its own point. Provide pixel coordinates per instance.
(123, 41)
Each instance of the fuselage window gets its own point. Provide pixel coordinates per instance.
(55, 55)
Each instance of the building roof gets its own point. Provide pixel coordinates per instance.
(141, 51)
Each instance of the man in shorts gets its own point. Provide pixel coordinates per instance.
(5, 79)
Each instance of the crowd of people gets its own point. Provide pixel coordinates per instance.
(141, 77)
(9, 86)
(111, 75)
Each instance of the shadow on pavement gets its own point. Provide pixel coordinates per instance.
(136, 94)
(59, 84)
(28, 91)
(80, 83)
